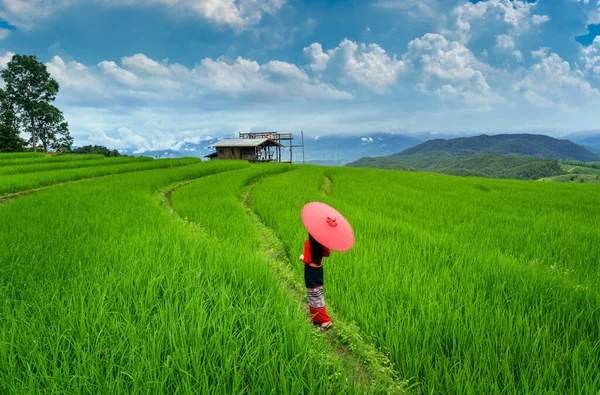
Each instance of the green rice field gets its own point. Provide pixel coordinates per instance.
(133, 275)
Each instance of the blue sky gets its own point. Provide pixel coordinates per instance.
(151, 74)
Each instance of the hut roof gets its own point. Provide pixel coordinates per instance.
(214, 154)
(266, 142)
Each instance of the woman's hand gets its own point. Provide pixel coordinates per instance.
(302, 257)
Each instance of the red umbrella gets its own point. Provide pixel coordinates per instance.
(328, 226)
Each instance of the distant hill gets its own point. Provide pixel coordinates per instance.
(538, 146)
(590, 140)
(491, 166)
(520, 156)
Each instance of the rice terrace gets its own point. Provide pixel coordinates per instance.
(165, 276)
(299, 197)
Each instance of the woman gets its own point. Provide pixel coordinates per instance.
(313, 279)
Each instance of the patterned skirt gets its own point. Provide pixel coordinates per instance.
(316, 304)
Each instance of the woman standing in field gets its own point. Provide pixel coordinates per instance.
(313, 279)
(327, 229)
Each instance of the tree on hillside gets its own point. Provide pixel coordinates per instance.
(28, 86)
(53, 131)
(10, 141)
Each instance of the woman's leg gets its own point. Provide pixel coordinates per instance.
(316, 304)
(313, 278)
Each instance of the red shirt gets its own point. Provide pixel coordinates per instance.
(308, 258)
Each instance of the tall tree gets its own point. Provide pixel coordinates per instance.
(28, 85)
(52, 129)
(10, 141)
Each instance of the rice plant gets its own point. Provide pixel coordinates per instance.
(18, 182)
(16, 160)
(35, 168)
(471, 285)
(102, 290)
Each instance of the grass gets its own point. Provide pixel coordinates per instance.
(123, 297)
(20, 155)
(470, 285)
(158, 281)
(12, 160)
(36, 168)
(18, 182)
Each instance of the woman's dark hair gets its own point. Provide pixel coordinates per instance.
(316, 250)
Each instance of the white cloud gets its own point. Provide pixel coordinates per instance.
(123, 138)
(540, 53)
(518, 55)
(123, 76)
(234, 78)
(592, 11)
(552, 83)
(513, 14)
(141, 79)
(449, 70)
(414, 8)
(4, 33)
(318, 58)
(504, 41)
(4, 59)
(73, 75)
(370, 65)
(285, 70)
(237, 14)
(142, 63)
(275, 79)
(540, 19)
(367, 65)
(591, 57)
(25, 13)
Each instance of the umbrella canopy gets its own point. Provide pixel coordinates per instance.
(328, 226)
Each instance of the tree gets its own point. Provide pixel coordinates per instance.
(96, 149)
(10, 141)
(63, 144)
(53, 131)
(28, 86)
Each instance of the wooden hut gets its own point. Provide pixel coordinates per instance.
(253, 150)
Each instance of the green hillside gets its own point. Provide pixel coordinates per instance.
(491, 166)
(520, 156)
(538, 146)
(121, 276)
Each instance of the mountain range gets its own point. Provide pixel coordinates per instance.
(520, 156)
(590, 140)
(535, 145)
